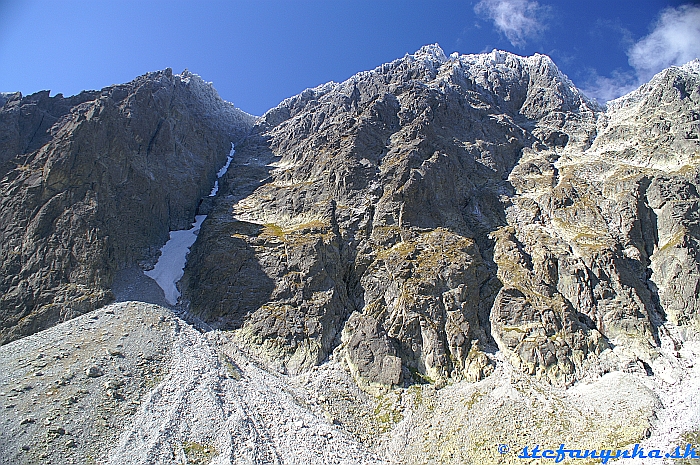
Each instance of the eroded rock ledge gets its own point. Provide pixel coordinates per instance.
(92, 184)
(424, 215)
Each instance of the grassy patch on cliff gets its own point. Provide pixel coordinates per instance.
(198, 454)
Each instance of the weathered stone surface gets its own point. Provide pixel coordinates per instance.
(437, 208)
(93, 183)
(431, 221)
(371, 354)
(604, 238)
(416, 218)
(532, 322)
(388, 185)
(676, 262)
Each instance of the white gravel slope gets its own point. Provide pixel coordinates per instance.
(212, 398)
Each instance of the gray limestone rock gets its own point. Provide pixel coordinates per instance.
(375, 198)
(414, 220)
(92, 184)
(436, 209)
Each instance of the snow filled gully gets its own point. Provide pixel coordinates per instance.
(173, 255)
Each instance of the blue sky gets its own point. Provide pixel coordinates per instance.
(259, 52)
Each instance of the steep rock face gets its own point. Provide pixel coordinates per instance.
(25, 121)
(656, 129)
(93, 183)
(432, 220)
(377, 211)
(607, 234)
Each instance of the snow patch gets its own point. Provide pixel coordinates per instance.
(173, 255)
(171, 264)
(222, 171)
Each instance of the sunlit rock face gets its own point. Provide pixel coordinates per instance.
(422, 221)
(93, 183)
(406, 267)
(421, 216)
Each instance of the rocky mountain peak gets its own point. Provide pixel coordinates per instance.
(655, 126)
(92, 184)
(672, 76)
(430, 53)
(471, 221)
(419, 214)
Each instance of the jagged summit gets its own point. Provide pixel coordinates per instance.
(509, 66)
(91, 184)
(432, 256)
(656, 126)
(465, 155)
(526, 87)
(688, 71)
(432, 52)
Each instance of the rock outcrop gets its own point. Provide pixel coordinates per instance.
(590, 229)
(419, 217)
(406, 267)
(424, 214)
(383, 215)
(93, 183)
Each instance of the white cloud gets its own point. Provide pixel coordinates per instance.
(517, 19)
(674, 41)
(604, 88)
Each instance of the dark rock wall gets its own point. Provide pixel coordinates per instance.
(93, 183)
(388, 188)
(416, 218)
